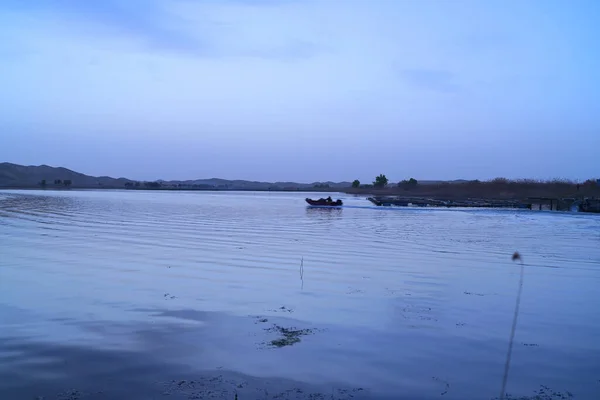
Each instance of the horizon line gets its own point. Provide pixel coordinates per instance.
(303, 182)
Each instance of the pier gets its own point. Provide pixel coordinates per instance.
(428, 202)
(586, 204)
(591, 205)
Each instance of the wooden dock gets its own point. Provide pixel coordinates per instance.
(590, 205)
(425, 202)
(533, 203)
(586, 204)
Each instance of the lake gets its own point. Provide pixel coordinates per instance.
(142, 295)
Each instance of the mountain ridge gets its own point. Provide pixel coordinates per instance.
(18, 176)
(30, 176)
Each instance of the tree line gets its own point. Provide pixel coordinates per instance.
(57, 182)
(381, 181)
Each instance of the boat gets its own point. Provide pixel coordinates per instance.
(324, 202)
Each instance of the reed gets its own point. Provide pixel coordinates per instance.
(515, 257)
(498, 188)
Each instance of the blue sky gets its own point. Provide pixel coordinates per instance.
(302, 90)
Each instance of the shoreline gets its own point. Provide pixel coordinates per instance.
(401, 198)
(536, 196)
(505, 190)
(44, 177)
(451, 192)
(55, 189)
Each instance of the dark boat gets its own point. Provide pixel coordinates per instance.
(324, 202)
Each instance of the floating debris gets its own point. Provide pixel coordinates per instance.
(283, 309)
(474, 294)
(354, 291)
(543, 393)
(445, 383)
(203, 388)
(290, 336)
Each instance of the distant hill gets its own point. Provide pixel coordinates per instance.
(14, 175)
(439, 182)
(256, 185)
(20, 176)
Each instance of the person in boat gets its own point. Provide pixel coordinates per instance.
(329, 201)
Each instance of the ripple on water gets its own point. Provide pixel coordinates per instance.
(151, 287)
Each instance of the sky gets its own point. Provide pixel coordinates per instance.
(302, 90)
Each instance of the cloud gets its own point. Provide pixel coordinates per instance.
(431, 79)
(167, 26)
(292, 50)
(146, 21)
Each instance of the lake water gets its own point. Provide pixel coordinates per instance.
(142, 295)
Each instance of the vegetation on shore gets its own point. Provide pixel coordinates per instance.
(498, 188)
(43, 176)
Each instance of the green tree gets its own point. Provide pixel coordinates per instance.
(153, 185)
(408, 183)
(381, 181)
(67, 182)
(43, 183)
(356, 183)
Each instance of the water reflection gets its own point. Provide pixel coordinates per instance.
(30, 205)
(324, 212)
(401, 303)
(158, 364)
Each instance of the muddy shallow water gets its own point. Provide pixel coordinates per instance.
(142, 295)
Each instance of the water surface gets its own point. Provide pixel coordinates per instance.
(136, 295)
